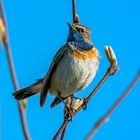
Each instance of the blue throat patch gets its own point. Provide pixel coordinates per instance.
(77, 40)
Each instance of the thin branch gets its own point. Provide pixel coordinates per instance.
(13, 74)
(64, 130)
(69, 102)
(74, 13)
(101, 121)
(112, 70)
(63, 134)
(74, 10)
(23, 121)
(63, 126)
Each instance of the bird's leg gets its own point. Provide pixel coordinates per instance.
(68, 111)
(68, 114)
(69, 105)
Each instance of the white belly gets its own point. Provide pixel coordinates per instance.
(73, 74)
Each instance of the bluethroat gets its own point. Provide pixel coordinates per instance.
(73, 68)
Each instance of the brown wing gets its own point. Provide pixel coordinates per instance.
(47, 80)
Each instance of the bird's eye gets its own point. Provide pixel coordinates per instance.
(82, 30)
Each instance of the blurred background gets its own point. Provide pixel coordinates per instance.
(37, 29)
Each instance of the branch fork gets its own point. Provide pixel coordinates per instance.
(78, 105)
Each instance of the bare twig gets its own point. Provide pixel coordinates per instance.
(64, 130)
(13, 75)
(111, 70)
(63, 133)
(68, 104)
(101, 121)
(74, 10)
(63, 126)
(75, 15)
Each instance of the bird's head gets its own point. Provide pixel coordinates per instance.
(83, 31)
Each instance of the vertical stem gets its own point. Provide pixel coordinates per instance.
(16, 87)
(74, 10)
(11, 66)
(63, 134)
(13, 74)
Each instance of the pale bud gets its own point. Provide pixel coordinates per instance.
(77, 104)
(111, 55)
(2, 29)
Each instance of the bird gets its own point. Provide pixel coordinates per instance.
(73, 68)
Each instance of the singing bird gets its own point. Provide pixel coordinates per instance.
(73, 68)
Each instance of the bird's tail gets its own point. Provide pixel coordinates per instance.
(28, 91)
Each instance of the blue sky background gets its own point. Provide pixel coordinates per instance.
(37, 29)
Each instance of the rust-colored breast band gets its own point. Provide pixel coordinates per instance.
(87, 55)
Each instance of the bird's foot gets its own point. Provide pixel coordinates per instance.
(84, 104)
(68, 113)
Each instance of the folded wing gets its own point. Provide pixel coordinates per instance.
(47, 80)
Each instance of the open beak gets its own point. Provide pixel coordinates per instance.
(70, 26)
